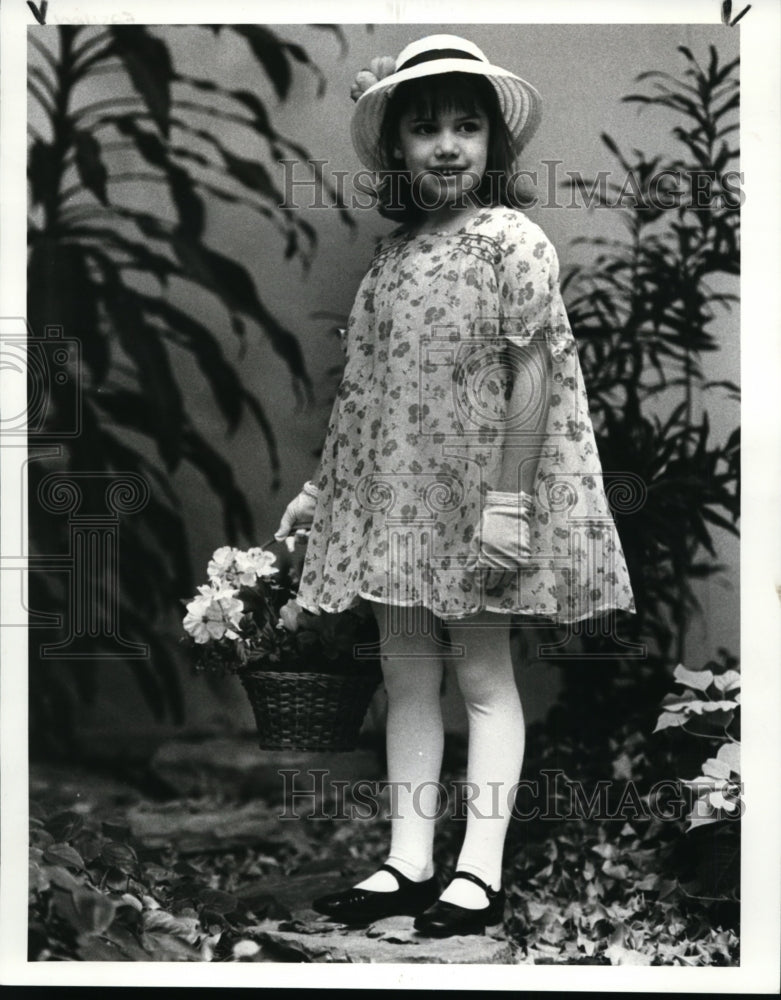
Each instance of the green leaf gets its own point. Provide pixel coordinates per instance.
(186, 928)
(119, 856)
(680, 702)
(148, 63)
(61, 877)
(618, 955)
(116, 831)
(715, 768)
(700, 680)
(668, 720)
(65, 825)
(38, 879)
(729, 754)
(94, 911)
(87, 911)
(216, 900)
(65, 855)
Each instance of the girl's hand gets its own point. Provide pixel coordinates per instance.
(505, 530)
(299, 513)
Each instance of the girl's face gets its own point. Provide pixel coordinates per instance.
(445, 152)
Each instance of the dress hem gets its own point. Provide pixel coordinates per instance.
(554, 618)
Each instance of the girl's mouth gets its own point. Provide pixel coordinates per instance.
(448, 171)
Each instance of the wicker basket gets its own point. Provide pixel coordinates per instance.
(309, 711)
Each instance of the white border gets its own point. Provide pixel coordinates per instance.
(761, 524)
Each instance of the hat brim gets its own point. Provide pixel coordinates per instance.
(519, 102)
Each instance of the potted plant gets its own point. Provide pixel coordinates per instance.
(309, 677)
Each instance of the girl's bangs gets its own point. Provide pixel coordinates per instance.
(453, 92)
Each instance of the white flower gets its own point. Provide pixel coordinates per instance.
(240, 569)
(222, 562)
(216, 613)
(262, 562)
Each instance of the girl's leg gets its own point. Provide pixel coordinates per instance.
(412, 670)
(496, 745)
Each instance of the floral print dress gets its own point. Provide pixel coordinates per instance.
(422, 416)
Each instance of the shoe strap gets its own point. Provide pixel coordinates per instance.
(395, 872)
(490, 892)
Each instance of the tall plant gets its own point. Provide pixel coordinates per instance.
(643, 315)
(113, 273)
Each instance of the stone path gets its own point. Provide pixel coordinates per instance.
(309, 937)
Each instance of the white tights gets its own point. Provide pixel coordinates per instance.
(412, 664)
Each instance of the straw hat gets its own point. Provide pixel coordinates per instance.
(519, 102)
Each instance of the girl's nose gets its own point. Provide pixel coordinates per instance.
(446, 144)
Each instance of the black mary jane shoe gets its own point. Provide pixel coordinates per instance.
(362, 906)
(446, 919)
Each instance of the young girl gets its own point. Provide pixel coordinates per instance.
(459, 482)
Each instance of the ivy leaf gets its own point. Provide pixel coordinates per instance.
(94, 910)
(678, 702)
(88, 845)
(169, 948)
(65, 825)
(153, 873)
(61, 877)
(648, 883)
(715, 768)
(217, 901)
(717, 706)
(38, 878)
(700, 680)
(119, 856)
(729, 753)
(727, 681)
(615, 871)
(86, 910)
(702, 820)
(65, 855)
(718, 801)
(116, 831)
(668, 720)
(703, 784)
(41, 838)
(618, 955)
(186, 928)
